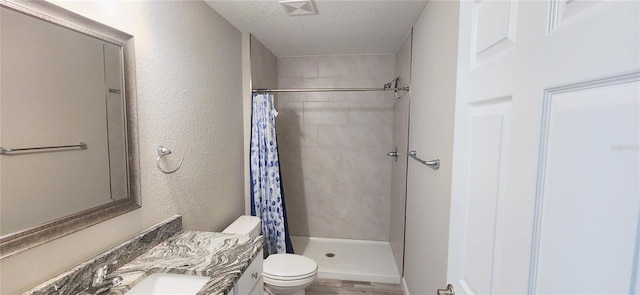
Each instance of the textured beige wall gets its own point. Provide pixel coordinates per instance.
(399, 167)
(433, 91)
(333, 144)
(264, 66)
(260, 68)
(189, 84)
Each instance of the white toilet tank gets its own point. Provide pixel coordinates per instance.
(244, 225)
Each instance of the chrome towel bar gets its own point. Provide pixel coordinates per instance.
(80, 145)
(434, 164)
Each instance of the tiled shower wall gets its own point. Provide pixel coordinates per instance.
(399, 166)
(333, 146)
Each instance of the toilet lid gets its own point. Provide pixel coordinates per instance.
(289, 266)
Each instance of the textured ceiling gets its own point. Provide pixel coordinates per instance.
(340, 27)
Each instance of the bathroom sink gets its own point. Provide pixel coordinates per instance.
(169, 283)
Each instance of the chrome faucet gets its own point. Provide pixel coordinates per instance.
(101, 282)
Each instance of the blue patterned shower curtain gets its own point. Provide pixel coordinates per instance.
(267, 195)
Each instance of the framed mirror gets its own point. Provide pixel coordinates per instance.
(68, 126)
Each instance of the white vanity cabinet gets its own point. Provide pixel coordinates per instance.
(250, 283)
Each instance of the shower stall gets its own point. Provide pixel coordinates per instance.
(345, 197)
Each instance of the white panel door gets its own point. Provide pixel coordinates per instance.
(546, 172)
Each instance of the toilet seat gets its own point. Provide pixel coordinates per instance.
(289, 268)
(281, 278)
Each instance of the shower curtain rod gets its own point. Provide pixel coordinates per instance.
(260, 90)
(386, 87)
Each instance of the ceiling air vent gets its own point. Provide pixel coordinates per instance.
(297, 7)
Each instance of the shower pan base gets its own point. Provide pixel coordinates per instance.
(352, 260)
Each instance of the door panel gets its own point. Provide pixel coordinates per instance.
(494, 30)
(560, 213)
(486, 163)
(588, 222)
(561, 12)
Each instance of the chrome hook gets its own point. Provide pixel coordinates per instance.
(163, 151)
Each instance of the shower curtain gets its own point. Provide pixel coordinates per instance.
(267, 195)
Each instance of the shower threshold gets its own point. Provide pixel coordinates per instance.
(352, 260)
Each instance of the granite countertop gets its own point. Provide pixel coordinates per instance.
(78, 278)
(222, 257)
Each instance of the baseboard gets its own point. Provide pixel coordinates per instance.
(405, 289)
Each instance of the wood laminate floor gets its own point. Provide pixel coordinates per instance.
(332, 287)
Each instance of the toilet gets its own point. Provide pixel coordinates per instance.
(283, 274)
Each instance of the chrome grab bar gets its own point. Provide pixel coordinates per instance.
(434, 164)
(80, 145)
